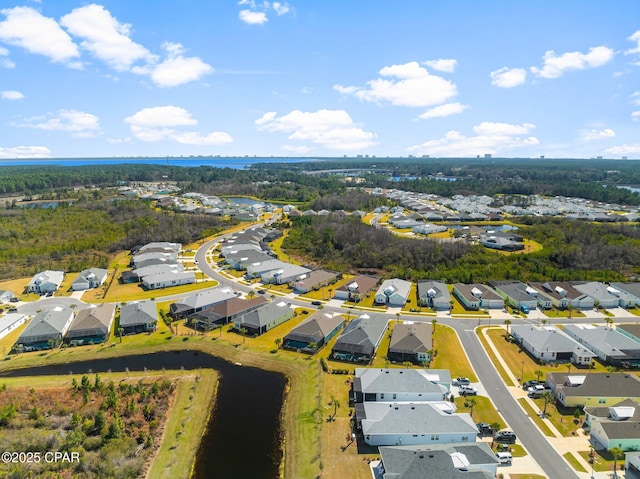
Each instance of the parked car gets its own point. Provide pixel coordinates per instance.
(527, 384)
(262, 291)
(504, 457)
(467, 391)
(460, 381)
(505, 437)
(484, 429)
(316, 303)
(14, 300)
(537, 388)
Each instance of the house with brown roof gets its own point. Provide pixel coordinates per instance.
(411, 342)
(224, 312)
(593, 389)
(314, 332)
(314, 280)
(357, 289)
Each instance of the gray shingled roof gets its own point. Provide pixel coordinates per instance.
(363, 334)
(402, 380)
(611, 342)
(92, 321)
(46, 325)
(548, 339)
(264, 315)
(134, 314)
(621, 385)
(315, 328)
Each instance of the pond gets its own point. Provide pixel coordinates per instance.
(242, 439)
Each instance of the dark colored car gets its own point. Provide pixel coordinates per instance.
(484, 429)
(316, 303)
(505, 437)
(262, 291)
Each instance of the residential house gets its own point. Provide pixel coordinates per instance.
(141, 273)
(628, 293)
(286, 274)
(400, 385)
(168, 279)
(91, 325)
(147, 259)
(11, 321)
(516, 294)
(264, 318)
(549, 344)
(393, 292)
(428, 228)
(314, 280)
(199, 301)
(6, 295)
(165, 245)
(434, 295)
(360, 339)
(46, 282)
(600, 293)
(224, 312)
(593, 389)
(563, 295)
(630, 330)
(314, 332)
(389, 424)
(45, 330)
(500, 242)
(450, 461)
(611, 346)
(614, 426)
(244, 259)
(258, 268)
(411, 341)
(477, 296)
(357, 289)
(138, 317)
(89, 278)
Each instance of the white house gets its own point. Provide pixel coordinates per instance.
(393, 292)
(549, 344)
(10, 322)
(401, 385)
(167, 279)
(46, 282)
(89, 278)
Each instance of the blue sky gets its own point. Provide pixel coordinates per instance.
(320, 78)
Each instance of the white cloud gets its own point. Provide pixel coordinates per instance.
(332, 129)
(26, 28)
(411, 85)
(5, 62)
(12, 95)
(160, 123)
(253, 18)
(635, 98)
(25, 152)
(104, 37)
(447, 109)
(625, 149)
(177, 69)
(447, 65)
(491, 138)
(281, 8)
(635, 116)
(296, 149)
(79, 123)
(634, 38)
(592, 135)
(508, 77)
(555, 66)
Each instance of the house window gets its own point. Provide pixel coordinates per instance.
(435, 437)
(465, 438)
(602, 401)
(394, 395)
(382, 396)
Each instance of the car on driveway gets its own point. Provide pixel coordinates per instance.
(527, 384)
(262, 291)
(316, 303)
(467, 391)
(460, 381)
(484, 429)
(505, 437)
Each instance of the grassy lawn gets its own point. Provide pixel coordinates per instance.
(563, 313)
(603, 460)
(134, 292)
(498, 365)
(561, 418)
(18, 287)
(450, 354)
(276, 246)
(380, 361)
(483, 409)
(571, 459)
(533, 414)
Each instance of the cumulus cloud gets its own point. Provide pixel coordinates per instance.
(332, 129)
(447, 65)
(253, 18)
(5, 62)
(508, 77)
(408, 84)
(12, 95)
(299, 149)
(105, 37)
(635, 98)
(636, 39)
(555, 66)
(257, 12)
(178, 69)
(27, 28)
(25, 152)
(625, 149)
(78, 123)
(635, 116)
(447, 109)
(490, 138)
(160, 123)
(591, 135)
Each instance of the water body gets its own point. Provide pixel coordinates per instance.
(42, 204)
(242, 439)
(242, 201)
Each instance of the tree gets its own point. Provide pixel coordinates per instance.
(471, 403)
(243, 332)
(617, 453)
(507, 322)
(570, 310)
(538, 373)
(548, 397)
(120, 333)
(434, 321)
(251, 294)
(278, 342)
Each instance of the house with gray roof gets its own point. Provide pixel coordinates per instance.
(91, 325)
(199, 301)
(167, 279)
(314, 280)
(477, 296)
(237, 248)
(314, 332)
(627, 293)
(224, 312)
(360, 339)
(244, 259)
(46, 282)
(411, 341)
(630, 330)
(10, 322)
(393, 292)
(138, 317)
(434, 295)
(165, 245)
(145, 259)
(517, 294)
(450, 461)
(258, 268)
(549, 344)
(391, 424)
(563, 295)
(6, 295)
(285, 274)
(614, 426)
(600, 293)
(140, 273)
(400, 385)
(45, 330)
(264, 318)
(500, 242)
(356, 289)
(89, 278)
(611, 346)
(593, 389)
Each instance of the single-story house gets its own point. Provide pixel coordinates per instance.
(286, 274)
(161, 245)
(395, 424)
(428, 228)
(502, 243)
(434, 295)
(257, 269)
(400, 385)
(314, 280)
(89, 278)
(611, 346)
(357, 289)
(314, 332)
(6, 295)
(550, 344)
(225, 312)
(168, 279)
(360, 339)
(263, 319)
(593, 389)
(450, 461)
(46, 282)
(600, 292)
(153, 261)
(477, 296)
(140, 273)
(145, 259)
(563, 295)
(411, 341)
(615, 426)
(631, 296)
(199, 301)
(46, 329)
(630, 330)
(91, 325)
(393, 292)
(138, 317)
(11, 321)
(243, 260)
(517, 294)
